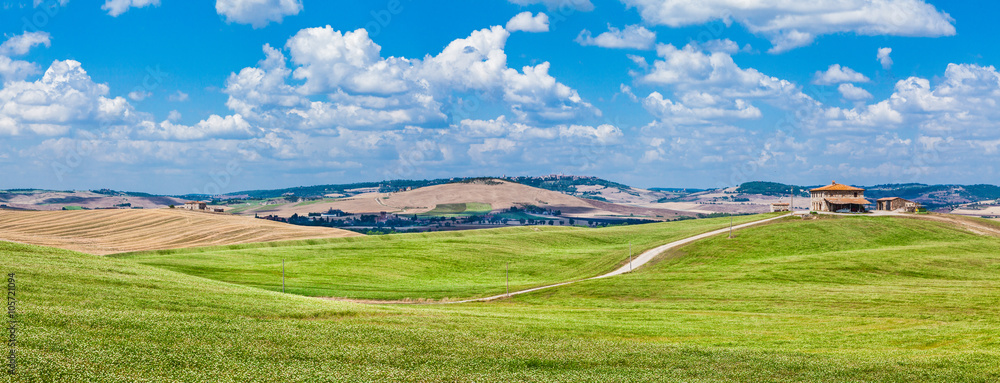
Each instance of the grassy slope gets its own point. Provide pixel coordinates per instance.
(87, 318)
(875, 290)
(758, 308)
(428, 265)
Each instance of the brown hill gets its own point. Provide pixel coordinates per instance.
(497, 193)
(56, 200)
(116, 231)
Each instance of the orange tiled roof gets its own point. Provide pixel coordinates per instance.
(837, 187)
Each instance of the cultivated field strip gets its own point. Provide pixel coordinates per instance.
(115, 231)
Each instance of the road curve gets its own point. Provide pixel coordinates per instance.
(636, 263)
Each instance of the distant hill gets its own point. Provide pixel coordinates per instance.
(499, 194)
(322, 190)
(745, 196)
(934, 196)
(98, 199)
(566, 184)
(558, 183)
(771, 189)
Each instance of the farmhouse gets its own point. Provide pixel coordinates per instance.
(839, 198)
(780, 207)
(897, 204)
(196, 205)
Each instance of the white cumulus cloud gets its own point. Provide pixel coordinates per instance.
(793, 24)
(962, 105)
(698, 113)
(837, 74)
(16, 70)
(853, 93)
(520, 132)
(178, 97)
(632, 37)
(21, 44)
(215, 126)
(690, 71)
(722, 45)
(63, 98)
(117, 7)
(257, 13)
(884, 58)
(139, 95)
(362, 89)
(579, 5)
(490, 145)
(526, 22)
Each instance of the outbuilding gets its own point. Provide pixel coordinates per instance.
(780, 207)
(196, 205)
(897, 204)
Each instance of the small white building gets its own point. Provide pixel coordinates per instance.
(196, 205)
(780, 207)
(897, 204)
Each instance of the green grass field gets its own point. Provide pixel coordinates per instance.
(318, 201)
(244, 207)
(829, 300)
(428, 265)
(520, 216)
(449, 210)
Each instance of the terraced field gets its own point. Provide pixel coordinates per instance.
(114, 231)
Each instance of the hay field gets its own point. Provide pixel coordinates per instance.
(115, 231)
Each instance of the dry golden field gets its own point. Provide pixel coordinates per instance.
(115, 231)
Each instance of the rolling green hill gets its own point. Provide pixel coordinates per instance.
(874, 289)
(828, 300)
(428, 265)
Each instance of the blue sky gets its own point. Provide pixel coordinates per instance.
(183, 97)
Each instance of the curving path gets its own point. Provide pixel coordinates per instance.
(636, 263)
